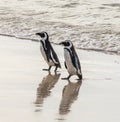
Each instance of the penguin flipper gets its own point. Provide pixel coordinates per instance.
(76, 62)
(65, 64)
(78, 66)
(55, 58)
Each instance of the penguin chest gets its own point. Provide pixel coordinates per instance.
(70, 67)
(43, 52)
(50, 63)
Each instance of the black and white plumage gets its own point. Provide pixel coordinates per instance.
(48, 52)
(72, 62)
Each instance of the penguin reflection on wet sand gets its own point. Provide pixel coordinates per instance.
(72, 62)
(69, 95)
(48, 52)
(45, 87)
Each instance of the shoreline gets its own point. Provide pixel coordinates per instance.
(87, 49)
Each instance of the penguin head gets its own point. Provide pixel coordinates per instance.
(66, 43)
(43, 35)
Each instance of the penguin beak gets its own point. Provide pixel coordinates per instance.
(38, 34)
(62, 43)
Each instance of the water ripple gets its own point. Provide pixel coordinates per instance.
(89, 24)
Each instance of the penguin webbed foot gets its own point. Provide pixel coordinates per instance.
(56, 69)
(64, 78)
(80, 77)
(79, 80)
(47, 69)
(67, 78)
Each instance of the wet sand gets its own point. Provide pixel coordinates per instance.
(28, 94)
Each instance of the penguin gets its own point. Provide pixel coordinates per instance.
(72, 63)
(48, 52)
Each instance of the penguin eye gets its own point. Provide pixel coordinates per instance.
(67, 43)
(42, 35)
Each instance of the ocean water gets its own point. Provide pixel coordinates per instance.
(90, 24)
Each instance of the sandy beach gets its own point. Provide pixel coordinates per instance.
(29, 94)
